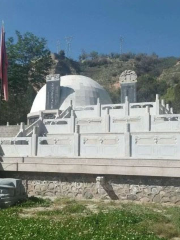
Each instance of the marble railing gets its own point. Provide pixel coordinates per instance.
(153, 145)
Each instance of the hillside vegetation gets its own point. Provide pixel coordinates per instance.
(30, 61)
(155, 75)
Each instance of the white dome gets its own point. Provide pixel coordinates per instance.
(81, 90)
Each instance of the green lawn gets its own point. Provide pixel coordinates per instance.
(39, 219)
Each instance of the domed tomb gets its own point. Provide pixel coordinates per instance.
(81, 90)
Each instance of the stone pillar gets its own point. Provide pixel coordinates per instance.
(128, 81)
(171, 110)
(72, 122)
(77, 142)
(126, 106)
(157, 104)
(57, 113)
(128, 89)
(167, 108)
(163, 102)
(22, 129)
(127, 140)
(41, 115)
(98, 108)
(107, 121)
(163, 106)
(34, 142)
(100, 181)
(147, 120)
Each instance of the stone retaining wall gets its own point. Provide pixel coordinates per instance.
(86, 186)
(9, 131)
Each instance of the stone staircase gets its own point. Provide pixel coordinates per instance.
(9, 131)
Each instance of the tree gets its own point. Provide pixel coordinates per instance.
(84, 56)
(29, 63)
(126, 56)
(147, 64)
(62, 55)
(93, 55)
(172, 97)
(148, 87)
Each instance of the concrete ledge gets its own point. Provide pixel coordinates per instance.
(137, 167)
(12, 159)
(8, 166)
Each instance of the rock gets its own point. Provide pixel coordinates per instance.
(131, 197)
(165, 200)
(144, 200)
(88, 195)
(51, 186)
(156, 198)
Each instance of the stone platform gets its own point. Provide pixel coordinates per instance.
(102, 166)
(124, 179)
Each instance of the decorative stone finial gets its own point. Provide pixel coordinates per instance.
(52, 77)
(128, 76)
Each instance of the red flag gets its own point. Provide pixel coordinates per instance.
(3, 65)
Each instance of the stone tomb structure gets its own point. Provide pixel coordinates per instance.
(11, 191)
(91, 148)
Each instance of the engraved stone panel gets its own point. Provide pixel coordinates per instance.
(145, 150)
(91, 125)
(90, 141)
(155, 140)
(60, 147)
(52, 91)
(167, 151)
(88, 121)
(110, 141)
(144, 140)
(155, 146)
(16, 147)
(167, 140)
(129, 90)
(102, 145)
(53, 141)
(128, 120)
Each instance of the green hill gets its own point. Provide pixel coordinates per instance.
(155, 75)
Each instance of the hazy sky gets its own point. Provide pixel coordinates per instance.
(146, 25)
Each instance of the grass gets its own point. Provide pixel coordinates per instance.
(74, 208)
(66, 219)
(35, 202)
(69, 209)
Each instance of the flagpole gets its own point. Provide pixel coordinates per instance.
(3, 66)
(2, 27)
(3, 62)
(1, 87)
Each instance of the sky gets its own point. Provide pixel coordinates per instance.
(146, 26)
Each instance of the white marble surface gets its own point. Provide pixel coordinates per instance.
(81, 90)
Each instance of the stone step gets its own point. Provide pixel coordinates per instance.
(9, 131)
